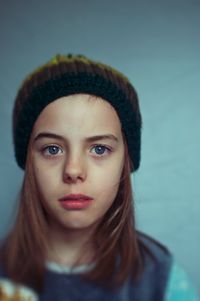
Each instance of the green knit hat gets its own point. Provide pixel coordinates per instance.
(70, 74)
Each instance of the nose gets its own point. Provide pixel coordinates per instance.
(74, 170)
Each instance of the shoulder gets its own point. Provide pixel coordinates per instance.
(153, 252)
(162, 273)
(12, 291)
(156, 267)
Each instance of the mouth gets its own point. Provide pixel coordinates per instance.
(75, 201)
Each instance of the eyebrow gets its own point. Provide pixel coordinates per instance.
(87, 139)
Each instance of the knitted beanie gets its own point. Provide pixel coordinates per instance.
(70, 74)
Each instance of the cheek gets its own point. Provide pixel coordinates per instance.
(109, 182)
(47, 182)
(110, 186)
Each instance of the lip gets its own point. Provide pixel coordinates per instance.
(76, 204)
(75, 201)
(75, 197)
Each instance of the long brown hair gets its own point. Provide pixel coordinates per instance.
(24, 250)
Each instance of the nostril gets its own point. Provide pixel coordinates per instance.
(74, 169)
(73, 176)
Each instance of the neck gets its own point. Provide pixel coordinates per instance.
(70, 247)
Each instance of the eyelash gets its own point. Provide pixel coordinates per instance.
(109, 150)
(46, 148)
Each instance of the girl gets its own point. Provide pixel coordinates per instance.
(77, 135)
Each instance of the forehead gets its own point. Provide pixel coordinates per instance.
(80, 113)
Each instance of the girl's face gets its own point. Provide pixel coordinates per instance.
(68, 158)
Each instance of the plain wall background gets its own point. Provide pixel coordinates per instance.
(157, 45)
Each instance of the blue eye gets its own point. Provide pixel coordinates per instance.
(100, 149)
(52, 150)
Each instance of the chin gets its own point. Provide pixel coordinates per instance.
(76, 225)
